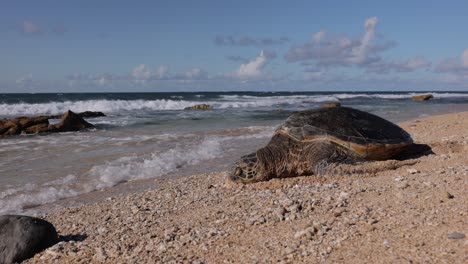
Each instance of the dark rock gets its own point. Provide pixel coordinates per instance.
(36, 129)
(70, 122)
(423, 97)
(32, 121)
(449, 195)
(17, 125)
(90, 114)
(55, 117)
(22, 236)
(35, 125)
(85, 114)
(199, 107)
(9, 127)
(331, 104)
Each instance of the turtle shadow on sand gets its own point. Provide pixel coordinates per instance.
(415, 151)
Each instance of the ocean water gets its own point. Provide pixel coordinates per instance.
(149, 135)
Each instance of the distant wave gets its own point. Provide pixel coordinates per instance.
(225, 101)
(106, 106)
(336, 96)
(116, 106)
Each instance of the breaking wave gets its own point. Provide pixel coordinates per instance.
(159, 163)
(225, 101)
(106, 106)
(108, 175)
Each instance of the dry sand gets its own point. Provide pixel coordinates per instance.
(407, 214)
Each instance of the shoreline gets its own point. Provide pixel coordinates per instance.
(141, 185)
(403, 214)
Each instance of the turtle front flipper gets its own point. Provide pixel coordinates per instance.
(322, 157)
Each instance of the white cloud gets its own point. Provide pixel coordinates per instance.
(195, 74)
(24, 80)
(30, 27)
(103, 81)
(360, 53)
(417, 62)
(252, 68)
(318, 36)
(326, 50)
(339, 50)
(230, 40)
(162, 72)
(409, 65)
(141, 73)
(456, 69)
(464, 58)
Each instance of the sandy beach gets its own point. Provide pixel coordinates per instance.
(415, 211)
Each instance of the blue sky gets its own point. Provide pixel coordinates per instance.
(107, 46)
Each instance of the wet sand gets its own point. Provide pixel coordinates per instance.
(413, 211)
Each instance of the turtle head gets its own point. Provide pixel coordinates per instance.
(246, 170)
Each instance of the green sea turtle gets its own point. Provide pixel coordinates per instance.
(310, 141)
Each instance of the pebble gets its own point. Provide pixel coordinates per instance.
(449, 195)
(456, 236)
(402, 185)
(399, 178)
(412, 171)
(308, 232)
(386, 243)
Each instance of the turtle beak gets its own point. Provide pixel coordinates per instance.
(234, 177)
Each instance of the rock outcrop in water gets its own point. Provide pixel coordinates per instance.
(331, 104)
(423, 97)
(199, 107)
(85, 114)
(35, 125)
(21, 237)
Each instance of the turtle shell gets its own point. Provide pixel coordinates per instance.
(365, 134)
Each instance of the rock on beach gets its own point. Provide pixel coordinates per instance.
(22, 236)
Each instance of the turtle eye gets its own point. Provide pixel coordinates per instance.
(238, 171)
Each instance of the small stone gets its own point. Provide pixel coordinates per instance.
(100, 255)
(331, 185)
(280, 212)
(402, 185)
(386, 243)
(456, 236)
(289, 250)
(449, 195)
(412, 171)
(338, 212)
(162, 248)
(308, 232)
(169, 234)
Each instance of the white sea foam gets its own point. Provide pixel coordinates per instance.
(227, 101)
(158, 163)
(131, 168)
(106, 106)
(109, 174)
